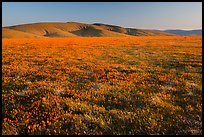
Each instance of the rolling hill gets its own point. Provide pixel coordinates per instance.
(197, 32)
(133, 31)
(74, 29)
(11, 33)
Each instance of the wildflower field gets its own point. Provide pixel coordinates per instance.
(98, 85)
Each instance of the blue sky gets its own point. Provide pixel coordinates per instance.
(146, 15)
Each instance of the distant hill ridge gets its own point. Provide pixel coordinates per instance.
(197, 32)
(75, 29)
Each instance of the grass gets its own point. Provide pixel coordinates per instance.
(116, 86)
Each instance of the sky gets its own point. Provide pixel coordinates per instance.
(143, 15)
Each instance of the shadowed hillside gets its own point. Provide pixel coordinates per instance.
(132, 31)
(74, 29)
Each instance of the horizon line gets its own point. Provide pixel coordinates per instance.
(100, 23)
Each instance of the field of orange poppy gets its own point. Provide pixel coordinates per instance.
(145, 85)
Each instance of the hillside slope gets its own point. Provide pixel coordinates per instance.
(74, 29)
(11, 33)
(132, 31)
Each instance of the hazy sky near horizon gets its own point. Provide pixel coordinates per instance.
(144, 15)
